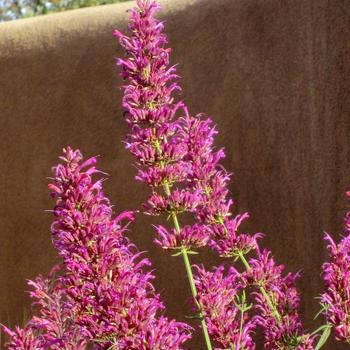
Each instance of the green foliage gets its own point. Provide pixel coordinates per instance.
(15, 9)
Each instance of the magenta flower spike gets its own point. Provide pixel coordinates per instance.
(176, 158)
(103, 296)
(113, 294)
(155, 135)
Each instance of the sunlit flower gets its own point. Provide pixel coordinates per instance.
(106, 277)
(189, 237)
(336, 275)
(278, 316)
(222, 300)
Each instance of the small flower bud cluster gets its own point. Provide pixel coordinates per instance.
(336, 276)
(278, 305)
(222, 301)
(54, 327)
(336, 299)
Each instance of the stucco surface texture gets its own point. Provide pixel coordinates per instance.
(273, 74)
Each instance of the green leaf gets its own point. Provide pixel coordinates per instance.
(319, 329)
(325, 335)
(177, 254)
(324, 308)
(197, 316)
(236, 258)
(192, 252)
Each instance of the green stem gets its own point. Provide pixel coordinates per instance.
(194, 294)
(262, 290)
(189, 272)
(261, 287)
(241, 326)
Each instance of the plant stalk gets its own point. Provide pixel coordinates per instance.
(189, 273)
(262, 290)
(187, 263)
(261, 287)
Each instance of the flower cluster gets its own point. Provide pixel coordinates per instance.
(336, 276)
(189, 236)
(336, 299)
(197, 134)
(103, 295)
(23, 338)
(209, 178)
(228, 243)
(175, 150)
(54, 328)
(156, 135)
(278, 304)
(222, 301)
(178, 201)
(113, 295)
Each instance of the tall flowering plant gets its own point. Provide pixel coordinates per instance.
(155, 138)
(104, 295)
(113, 295)
(176, 158)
